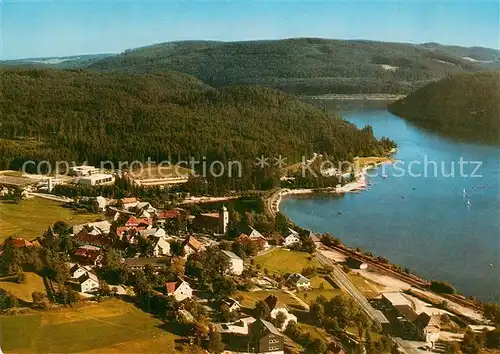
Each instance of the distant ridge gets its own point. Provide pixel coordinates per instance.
(465, 106)
(308, 66)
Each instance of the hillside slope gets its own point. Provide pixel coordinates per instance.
(466, 106)
(300, 65)
(80, 115)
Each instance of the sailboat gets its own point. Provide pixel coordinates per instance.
(465, 192)
(469, 203)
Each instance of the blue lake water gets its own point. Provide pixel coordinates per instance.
(421, 222)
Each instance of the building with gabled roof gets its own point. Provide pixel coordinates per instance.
(299, 281)
(291, 237)
(236, 263)
(192, 245)
(88, 283)
(179, 289)
(135, 222)
(263, 337)
(88, 255)
(276, 306)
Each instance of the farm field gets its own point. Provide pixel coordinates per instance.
(282, 261)
(112, 326)
(33, 282)
(30, 217)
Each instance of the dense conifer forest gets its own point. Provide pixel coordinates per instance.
(80, 116)
(465, 106)
(304, 65)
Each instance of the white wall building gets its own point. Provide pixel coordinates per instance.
(88, 283)
(180, 290)
(292, 237)
(236, 262)
(97, 179)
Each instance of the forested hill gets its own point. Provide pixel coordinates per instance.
(465, 106)
(301, 65)
(80, 115)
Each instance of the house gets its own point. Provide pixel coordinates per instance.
(88, 255)
(145, 210)
(97, 179)
(240, 327)
(103, 226)
(88, 283)
(191, 245)
(179, 289)
(83, 170)
(94, 237)
(76, 271)
(429, 327)
(161, 247)
(128, 234)
(101, 202)
(255, 236)
(129, 203)
(142, 262)
(134, 222)
(263, 337)
(232, 304)
(299, 281)
(155, 232)
(163, 216)
(236, 263)
(275, 306)
(356, 263)
(216, 223)
(292, 237)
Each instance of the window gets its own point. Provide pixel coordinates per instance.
(272, 341)
(274, 348)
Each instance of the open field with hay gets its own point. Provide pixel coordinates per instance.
(112, 326)
(29, 218)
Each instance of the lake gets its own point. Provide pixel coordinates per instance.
(421, 222)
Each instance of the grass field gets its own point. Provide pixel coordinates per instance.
(31, 217)
(328, 290)
(33, 282)
(282, 261)
(112, 326)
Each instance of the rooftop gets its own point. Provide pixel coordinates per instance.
(396, 299)
(231, 255)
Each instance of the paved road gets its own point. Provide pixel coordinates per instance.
(345, 284)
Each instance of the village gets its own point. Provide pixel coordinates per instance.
(236, 282)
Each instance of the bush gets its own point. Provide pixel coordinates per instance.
(442, 287)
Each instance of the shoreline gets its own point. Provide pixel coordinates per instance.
(359, 184)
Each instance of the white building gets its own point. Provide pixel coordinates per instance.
(161, 247)
(299, 281)
(235, 261)
(88, 283)
(224, 219)
(292, 237)
(179, 289)
(76, 271)
(154, 232)
(104, 226)
(97, 179)
(83, 170)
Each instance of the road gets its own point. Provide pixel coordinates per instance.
(345, 284)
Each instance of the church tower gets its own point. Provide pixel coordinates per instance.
(223, 219)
